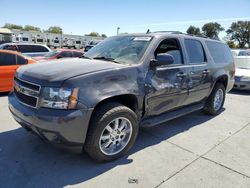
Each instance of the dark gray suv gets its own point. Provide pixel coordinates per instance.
(99, 101)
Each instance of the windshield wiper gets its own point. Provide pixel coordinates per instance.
(106, 59)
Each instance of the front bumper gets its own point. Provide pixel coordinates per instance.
(66, 127)
(242, 85)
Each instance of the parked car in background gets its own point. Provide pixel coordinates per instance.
(61, 53)
(28, 49)
(9, 62)
(242, 74)
(99, 101)
(91, 45)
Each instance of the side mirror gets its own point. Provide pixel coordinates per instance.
(163, 59)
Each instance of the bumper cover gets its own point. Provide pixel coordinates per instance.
(66, 127)
(242, 85)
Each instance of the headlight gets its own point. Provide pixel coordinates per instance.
(245, 79)
(59, 98)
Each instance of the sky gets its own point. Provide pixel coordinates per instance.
(104, 16)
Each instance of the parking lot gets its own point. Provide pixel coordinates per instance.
(193, 151)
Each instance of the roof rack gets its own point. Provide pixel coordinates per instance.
(172, 32)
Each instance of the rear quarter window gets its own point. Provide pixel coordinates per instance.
(220, 52)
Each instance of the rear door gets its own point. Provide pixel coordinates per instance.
(199, 73)
(8, 67)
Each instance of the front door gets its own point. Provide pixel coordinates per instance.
(166, 86)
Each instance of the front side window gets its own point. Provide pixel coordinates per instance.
(195, 51)
(7, 59)
(171, 47)
(122, 49)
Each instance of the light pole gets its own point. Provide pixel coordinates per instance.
(118, 28)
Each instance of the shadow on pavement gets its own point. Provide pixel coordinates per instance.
(4, 94)
(239, 92)
(27, 161)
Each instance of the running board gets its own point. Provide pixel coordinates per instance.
(156, 120)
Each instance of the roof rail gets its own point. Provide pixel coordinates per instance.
(172, 32)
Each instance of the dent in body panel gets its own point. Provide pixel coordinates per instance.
(110, 83)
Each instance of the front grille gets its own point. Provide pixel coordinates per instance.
(26, 92)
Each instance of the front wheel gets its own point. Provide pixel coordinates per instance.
(216, 100)
(112, 132)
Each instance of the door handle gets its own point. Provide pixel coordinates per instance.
(205, 71)
(181, 74)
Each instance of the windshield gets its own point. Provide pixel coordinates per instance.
(122, 49)
(51, 54)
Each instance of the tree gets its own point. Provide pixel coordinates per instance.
(93, 34)
(31, 28)
(55, 29)
(212, 30)
(231, 44)
(240, 32)
(13, 26)
(104, 36)
(192, 30)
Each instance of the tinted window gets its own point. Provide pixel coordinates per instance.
(32, 48)
(25, 39)
(7, 59)
(77, 54)
(244, 53)
(220, 52)
(39, 40)
(21, 60)
(195, 51)
(65, 54)
(10, 47)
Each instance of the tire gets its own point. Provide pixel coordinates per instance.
(107, 115)
(210, 107)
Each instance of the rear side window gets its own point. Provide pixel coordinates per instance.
(65, 54)
(195, 51)
(32, 48)
(220, 52)
(7, 59)
(77, 54)
(21, 60)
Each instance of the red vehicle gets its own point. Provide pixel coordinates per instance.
(61, 53)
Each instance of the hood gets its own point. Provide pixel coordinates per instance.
(242, 72)
(54, 72)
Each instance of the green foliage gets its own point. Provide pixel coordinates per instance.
(104, 36)
(240, 32)
(93, 34)
(13, 26)
(31, 28)
(55, 29)
(231, 44)
(192, 30)
(212, 30)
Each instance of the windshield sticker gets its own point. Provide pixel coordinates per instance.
(142, 38)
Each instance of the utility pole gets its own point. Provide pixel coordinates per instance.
(118, 28)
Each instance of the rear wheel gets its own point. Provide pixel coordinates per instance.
(216, 100)
(112, 132)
